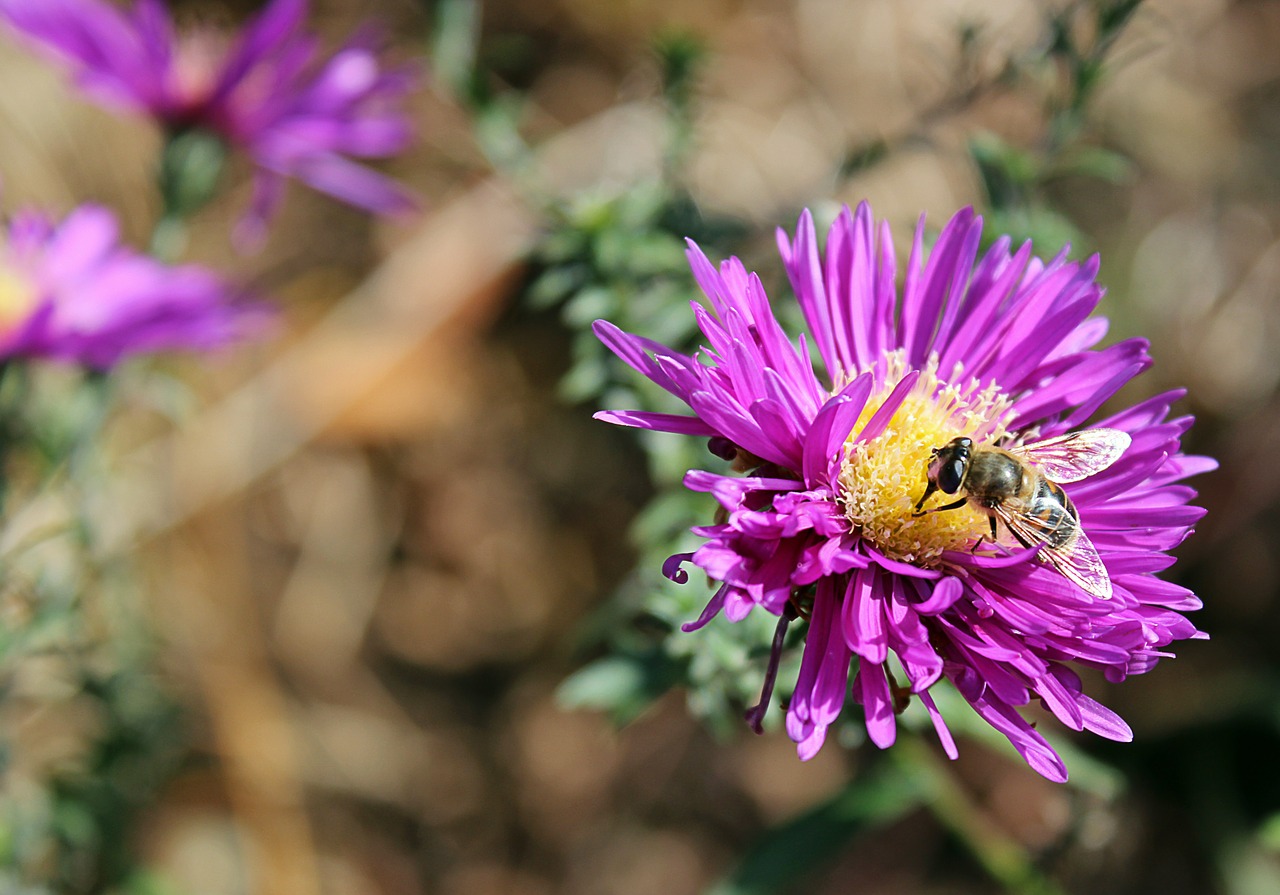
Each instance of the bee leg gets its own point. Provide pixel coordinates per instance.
(951, 506)
(983, 539)
(932, 486)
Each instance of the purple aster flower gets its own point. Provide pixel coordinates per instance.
(268, 91)
(71, 292)
(829, 522)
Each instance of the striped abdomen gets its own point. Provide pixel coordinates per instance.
(1053, 513)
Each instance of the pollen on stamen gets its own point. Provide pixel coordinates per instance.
(883, 477)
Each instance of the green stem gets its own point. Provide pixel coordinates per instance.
(169, 238)
(13, 393)
(189, 176)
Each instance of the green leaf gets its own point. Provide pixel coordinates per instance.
(613, 251)
(496, 127)
(1048, 230)
(1269, 833)
(1094, 161)
(585, 380)
(554, 285)
(864, 156)
(589, 305)
(622, 685)
(1112, 17)
(681, 54)
(1247, 867)
(1008, 173)
(453, 47)
(148, 882)
(655, 253)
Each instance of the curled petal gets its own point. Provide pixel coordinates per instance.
(713, 607)
(671, 568)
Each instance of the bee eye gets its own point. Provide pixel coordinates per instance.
(950, 475)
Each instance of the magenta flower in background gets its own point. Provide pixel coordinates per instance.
(268, 91)
(823, 525)
(72, 292)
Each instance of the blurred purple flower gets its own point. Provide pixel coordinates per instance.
(822, 525)
(268, 91)
(72, 292)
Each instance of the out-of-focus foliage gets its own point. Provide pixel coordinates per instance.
(1017, 180)
(90, 732)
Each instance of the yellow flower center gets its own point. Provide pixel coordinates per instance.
(883, 477)
(17, 300)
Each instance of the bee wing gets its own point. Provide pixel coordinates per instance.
(1076, 455)
(1077, 560)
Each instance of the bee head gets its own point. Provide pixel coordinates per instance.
(950, 463)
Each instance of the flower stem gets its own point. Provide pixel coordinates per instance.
(189, 176)
(169, 238)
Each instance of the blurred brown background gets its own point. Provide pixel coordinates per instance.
(369, 546)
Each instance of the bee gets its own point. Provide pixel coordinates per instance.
(1021, 487)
